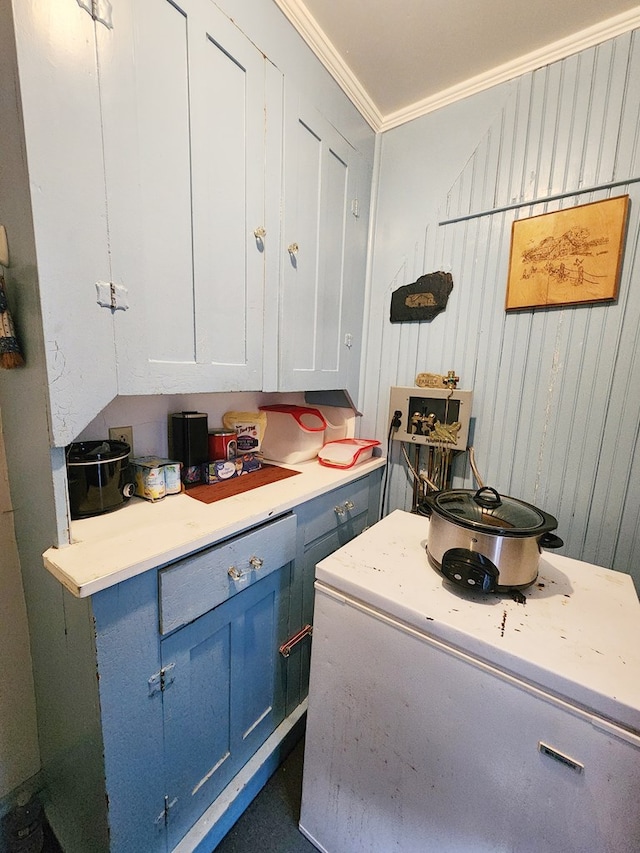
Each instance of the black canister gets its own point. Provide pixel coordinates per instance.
(190, 443)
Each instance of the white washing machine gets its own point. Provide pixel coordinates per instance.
(457, 722)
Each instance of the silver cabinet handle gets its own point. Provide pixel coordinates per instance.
(236, 574)
(349, 505)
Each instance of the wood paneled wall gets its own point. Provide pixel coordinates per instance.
(556, 391)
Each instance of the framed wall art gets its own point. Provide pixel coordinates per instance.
(567, 257)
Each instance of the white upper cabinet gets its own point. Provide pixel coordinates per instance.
(186, 104)
(191, 231)
(53, 208)
(324, 252)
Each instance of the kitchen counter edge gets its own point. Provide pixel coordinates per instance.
(111, 548)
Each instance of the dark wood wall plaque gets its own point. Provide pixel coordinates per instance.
(424, 299)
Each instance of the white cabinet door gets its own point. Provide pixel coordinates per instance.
(184, 102)
(53, 207)
(319, 336)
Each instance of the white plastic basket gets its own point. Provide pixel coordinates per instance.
(293, 433)
(346, 452)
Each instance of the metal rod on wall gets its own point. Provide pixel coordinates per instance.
(517, 204)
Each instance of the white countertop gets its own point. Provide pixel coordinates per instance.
(577, 636)
(141, 535)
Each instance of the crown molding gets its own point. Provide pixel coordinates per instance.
(561, 49)
(307, 26)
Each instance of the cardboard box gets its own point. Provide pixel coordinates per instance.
(226, 469)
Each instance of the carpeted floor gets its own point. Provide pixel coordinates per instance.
(270, 824)
(50, 843)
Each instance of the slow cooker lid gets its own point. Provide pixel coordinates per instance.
(92, 452)
(488, 509)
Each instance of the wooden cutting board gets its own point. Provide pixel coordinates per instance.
(237, 485)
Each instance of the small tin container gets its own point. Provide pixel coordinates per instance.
(223, 444)
(172, 480)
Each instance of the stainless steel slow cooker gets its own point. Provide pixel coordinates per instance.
(98, 476)
(485, 541)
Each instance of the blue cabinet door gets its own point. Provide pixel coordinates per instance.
(325, 524)
(224, 695)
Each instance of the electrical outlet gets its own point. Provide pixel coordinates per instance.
(122, 434)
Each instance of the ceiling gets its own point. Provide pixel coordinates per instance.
(398, 59)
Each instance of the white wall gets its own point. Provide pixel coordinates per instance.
(19, 757)
(149, 416)
(557, 391)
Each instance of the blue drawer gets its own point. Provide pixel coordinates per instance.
(192, 586)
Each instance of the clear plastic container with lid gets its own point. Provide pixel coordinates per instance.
(293, 433)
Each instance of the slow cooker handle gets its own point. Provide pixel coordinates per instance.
(550, 540)
(492, 500)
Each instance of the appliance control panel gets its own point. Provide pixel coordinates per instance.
(438, 417)
(469, 569)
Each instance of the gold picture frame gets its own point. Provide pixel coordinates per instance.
(567, 257)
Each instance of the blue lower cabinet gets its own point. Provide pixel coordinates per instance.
(188, 691)
(324, 525)
(203, 669)
(127, 647)
(223, 696)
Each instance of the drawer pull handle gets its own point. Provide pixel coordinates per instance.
(569, 762)
(255, 563)
(285, 648)
(341, 509)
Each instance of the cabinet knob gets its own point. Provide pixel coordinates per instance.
(342, 509)
(236, 574)
(260, 233)
(293, 249)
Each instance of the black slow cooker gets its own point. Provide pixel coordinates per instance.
(98, 476)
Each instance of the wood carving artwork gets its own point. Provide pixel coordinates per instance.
(567, 257)
(430, 380)
(424, 299)
(437, 380)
